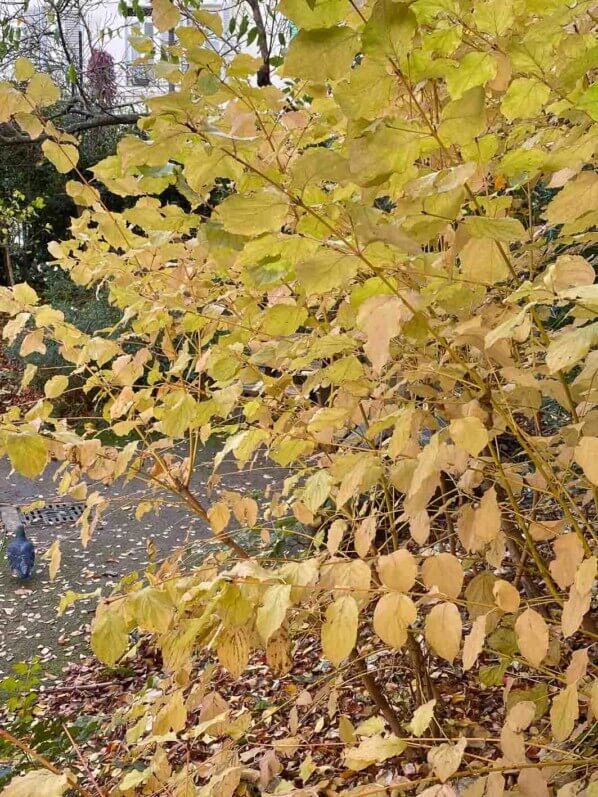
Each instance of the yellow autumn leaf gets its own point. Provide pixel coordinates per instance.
(393, 615)
(56, 386)
(165, 15)
(63, 156)
(219, 517)
(28, 453)
(532, 636)
(422, 717)
(25, 293)
(469, 433)
(53, 556)
(443, 630)
(152, 609)
(506, 596)
(273, 609)
(339, 631)
(564, 713)
(42, 91)
(375, 749)
(232, 649)
(444, 572)
(24, 69)
(109, 634)
(446, 759)
(37, 783)
(398, 570)
(586, 455)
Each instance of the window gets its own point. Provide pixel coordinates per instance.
(139, 74)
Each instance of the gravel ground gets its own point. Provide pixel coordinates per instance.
(29, 624)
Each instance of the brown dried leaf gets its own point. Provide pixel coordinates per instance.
(446, 759)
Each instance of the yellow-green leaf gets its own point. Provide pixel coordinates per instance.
(339, 631)
(37, 783)
(524, 99)
(109, 635)
(469, 433)
(564, 713)
(165, 15)
(252, 214)
(272, 612)
(422, 717)
(56, 386)
(28, 453)
(323, 54)
(63, 156)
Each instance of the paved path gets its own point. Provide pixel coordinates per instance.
(29, 624)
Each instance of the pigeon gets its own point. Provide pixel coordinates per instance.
(21, 554)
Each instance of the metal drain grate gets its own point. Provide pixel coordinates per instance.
(53, 514)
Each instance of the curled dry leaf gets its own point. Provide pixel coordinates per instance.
(474, 642)
(446, 759)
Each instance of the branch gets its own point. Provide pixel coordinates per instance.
(263, 74)
(106, 120)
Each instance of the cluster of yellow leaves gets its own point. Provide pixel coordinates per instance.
(381, 307)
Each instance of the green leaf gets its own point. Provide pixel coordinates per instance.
(324, 54)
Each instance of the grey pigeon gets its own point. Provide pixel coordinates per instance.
(21, 554)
